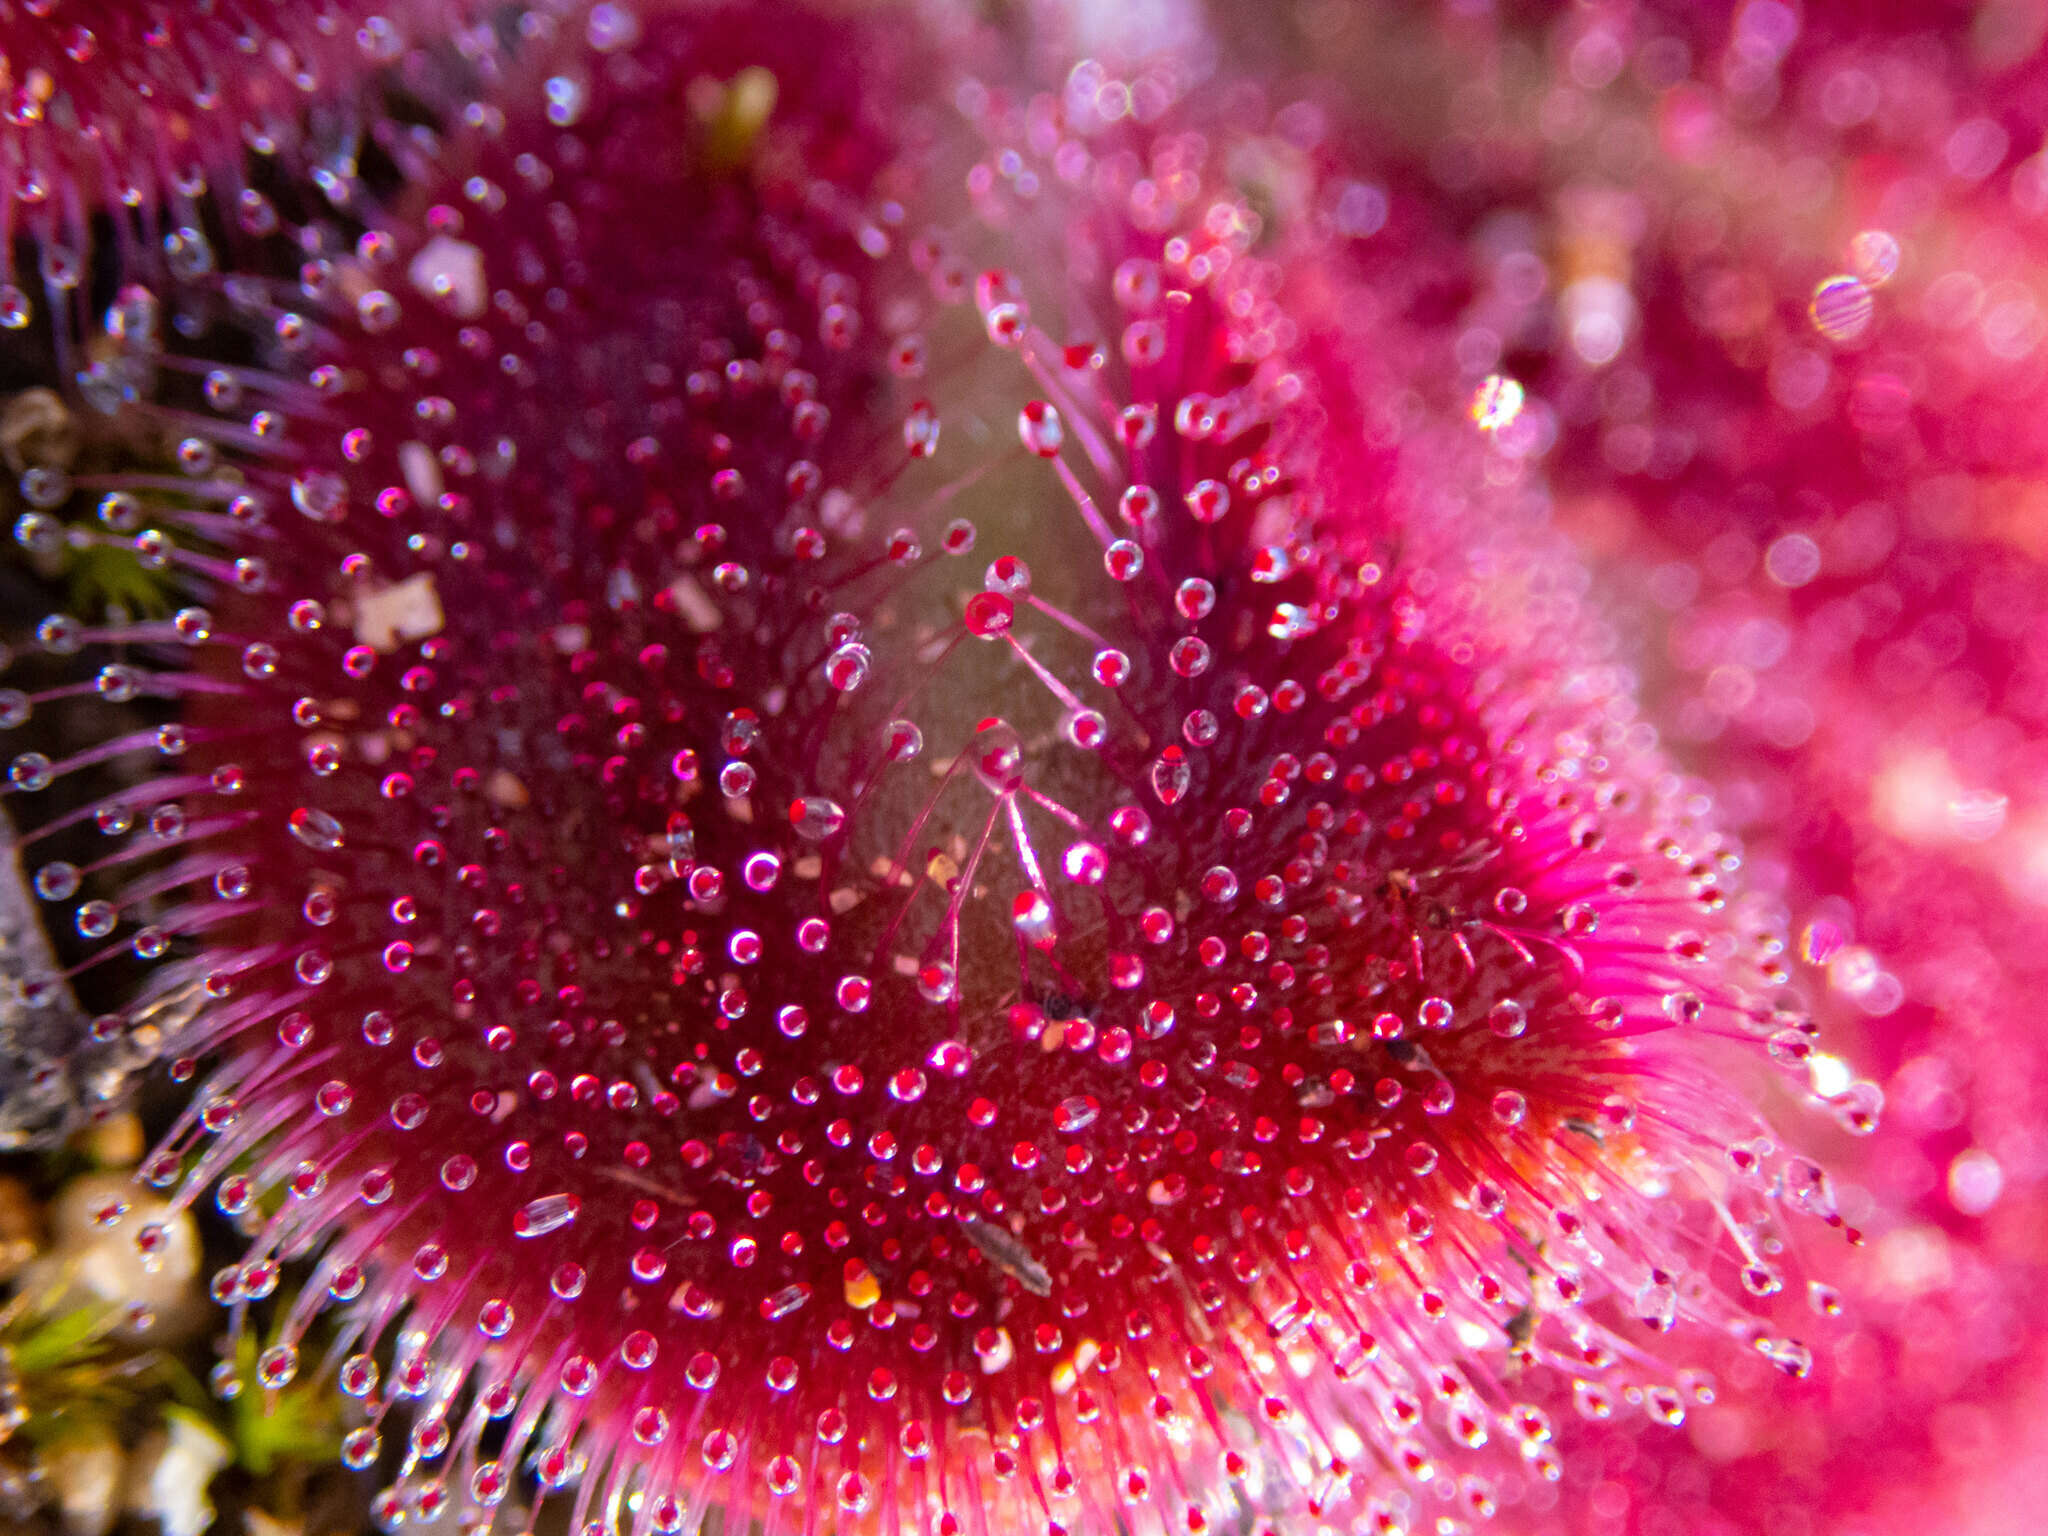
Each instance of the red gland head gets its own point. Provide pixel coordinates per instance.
(838, 877)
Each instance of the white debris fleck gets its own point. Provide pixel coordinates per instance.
(169, 1474)
(422, 473)
(399, 614)
(695, 605)
(451, 272)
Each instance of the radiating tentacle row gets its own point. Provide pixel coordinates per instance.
(1317, 1019)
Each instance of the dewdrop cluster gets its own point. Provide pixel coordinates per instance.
(152, 130)
(842, 860)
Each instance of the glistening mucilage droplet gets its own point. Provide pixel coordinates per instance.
(750, 1042)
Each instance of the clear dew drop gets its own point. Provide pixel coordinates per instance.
(1195, 598)
(1033, 917)
(360, 1447)
(1170, 776)
(1788, 1355)
(1496, 403)
(921, 430)
(1085, 728)
(1085, 863)
(997, 756)
(30, 772)
(60, 634)
(1874, 253)
(1189, 656)
(1007, 575)
(316, 829)
(550, 1213)
(1208, 501)
(903, 741)
(848, 666)
(44, 488)
(1842, 308)
(319, 494)
(816, 818)
(1040, 429)
(276, 1366)
(937, 982)
(1656, 1304)
(1076, 1114)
